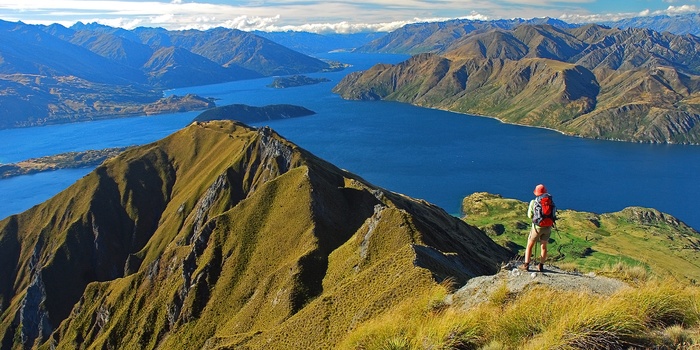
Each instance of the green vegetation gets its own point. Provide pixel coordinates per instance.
(589, 242)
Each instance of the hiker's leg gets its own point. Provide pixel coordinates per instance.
(528, 250)
(544, 239)
(543, 256)
(531, 240)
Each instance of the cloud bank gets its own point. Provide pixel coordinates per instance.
(308, 15)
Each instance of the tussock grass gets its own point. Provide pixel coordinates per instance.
(654, 314)
(626, 272)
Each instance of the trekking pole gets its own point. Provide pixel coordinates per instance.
(537, 257)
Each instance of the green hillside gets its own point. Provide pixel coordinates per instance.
(644, 237)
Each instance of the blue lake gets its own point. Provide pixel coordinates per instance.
(430, 154)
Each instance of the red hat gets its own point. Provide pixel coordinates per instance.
(540, 190)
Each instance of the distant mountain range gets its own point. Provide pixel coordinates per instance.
(437, 36)
(680, 24)
(51, 74)
(591, 81)
(54, 74)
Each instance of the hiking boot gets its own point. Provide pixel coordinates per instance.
(525, 267)
(540, 267)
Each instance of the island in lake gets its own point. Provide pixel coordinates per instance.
(294, 81)
(251, 114)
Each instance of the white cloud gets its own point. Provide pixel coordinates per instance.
(317, 16)
(588, 18)
(345, 16)
(676, 10)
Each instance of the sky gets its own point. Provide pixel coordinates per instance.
(321, 16)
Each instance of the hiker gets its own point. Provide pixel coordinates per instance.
(543, 213)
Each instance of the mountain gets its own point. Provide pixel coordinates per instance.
(115, 48)
(42, 68)
(230, 48)
(679, 24)
(175, 67)
(590, 81)
(28, 50)
(437, 36)
(222, 236)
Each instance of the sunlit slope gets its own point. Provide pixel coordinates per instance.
(222, 236)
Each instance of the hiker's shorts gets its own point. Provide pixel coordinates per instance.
(540, 234)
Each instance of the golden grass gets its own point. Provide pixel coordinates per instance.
(655, 314)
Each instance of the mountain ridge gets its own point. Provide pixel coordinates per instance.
(229, 222)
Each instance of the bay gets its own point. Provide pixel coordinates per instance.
(429, 154)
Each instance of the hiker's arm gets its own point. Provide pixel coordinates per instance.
(530, 208)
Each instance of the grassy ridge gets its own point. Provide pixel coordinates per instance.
(655, 314)
(222, 236)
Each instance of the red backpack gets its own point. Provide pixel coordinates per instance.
(544, 212)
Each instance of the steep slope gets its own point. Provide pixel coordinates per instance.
(222, 236)
(591, 81)
(117, 49)
(116, 72)
(528, 91)
(29, 50)
(176, 67)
